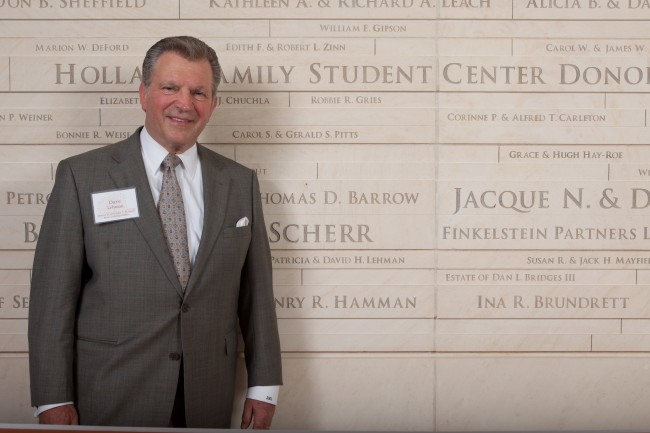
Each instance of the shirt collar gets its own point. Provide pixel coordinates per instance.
(154, 154)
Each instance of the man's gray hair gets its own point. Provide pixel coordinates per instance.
(188, 47)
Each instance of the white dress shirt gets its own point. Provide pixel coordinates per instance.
(190, 180)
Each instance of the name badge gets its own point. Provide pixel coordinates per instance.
(116, 205)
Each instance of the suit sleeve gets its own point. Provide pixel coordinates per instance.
(57, 278)
(257, 317)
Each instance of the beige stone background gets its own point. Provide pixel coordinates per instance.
(456, 193)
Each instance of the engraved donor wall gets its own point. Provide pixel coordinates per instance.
(456, 193)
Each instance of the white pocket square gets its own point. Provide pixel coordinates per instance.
(242, 222)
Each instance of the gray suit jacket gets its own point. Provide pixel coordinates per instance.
(108, 318)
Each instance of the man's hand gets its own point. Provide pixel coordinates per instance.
(259, 412)
(62, 415)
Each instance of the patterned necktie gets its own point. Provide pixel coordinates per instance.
(172, 216)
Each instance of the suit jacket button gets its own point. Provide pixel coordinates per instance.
(175, 356)
(185, 308)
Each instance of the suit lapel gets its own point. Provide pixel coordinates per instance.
(215, 202)
(129, 172)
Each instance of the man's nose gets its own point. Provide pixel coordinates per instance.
(184, 100)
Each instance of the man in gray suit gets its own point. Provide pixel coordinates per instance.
(117, 333)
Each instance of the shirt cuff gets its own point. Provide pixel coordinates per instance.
(267, 394)
(40, 409)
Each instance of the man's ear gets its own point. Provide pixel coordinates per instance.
(143, 91)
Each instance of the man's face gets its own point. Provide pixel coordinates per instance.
(178, 102)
